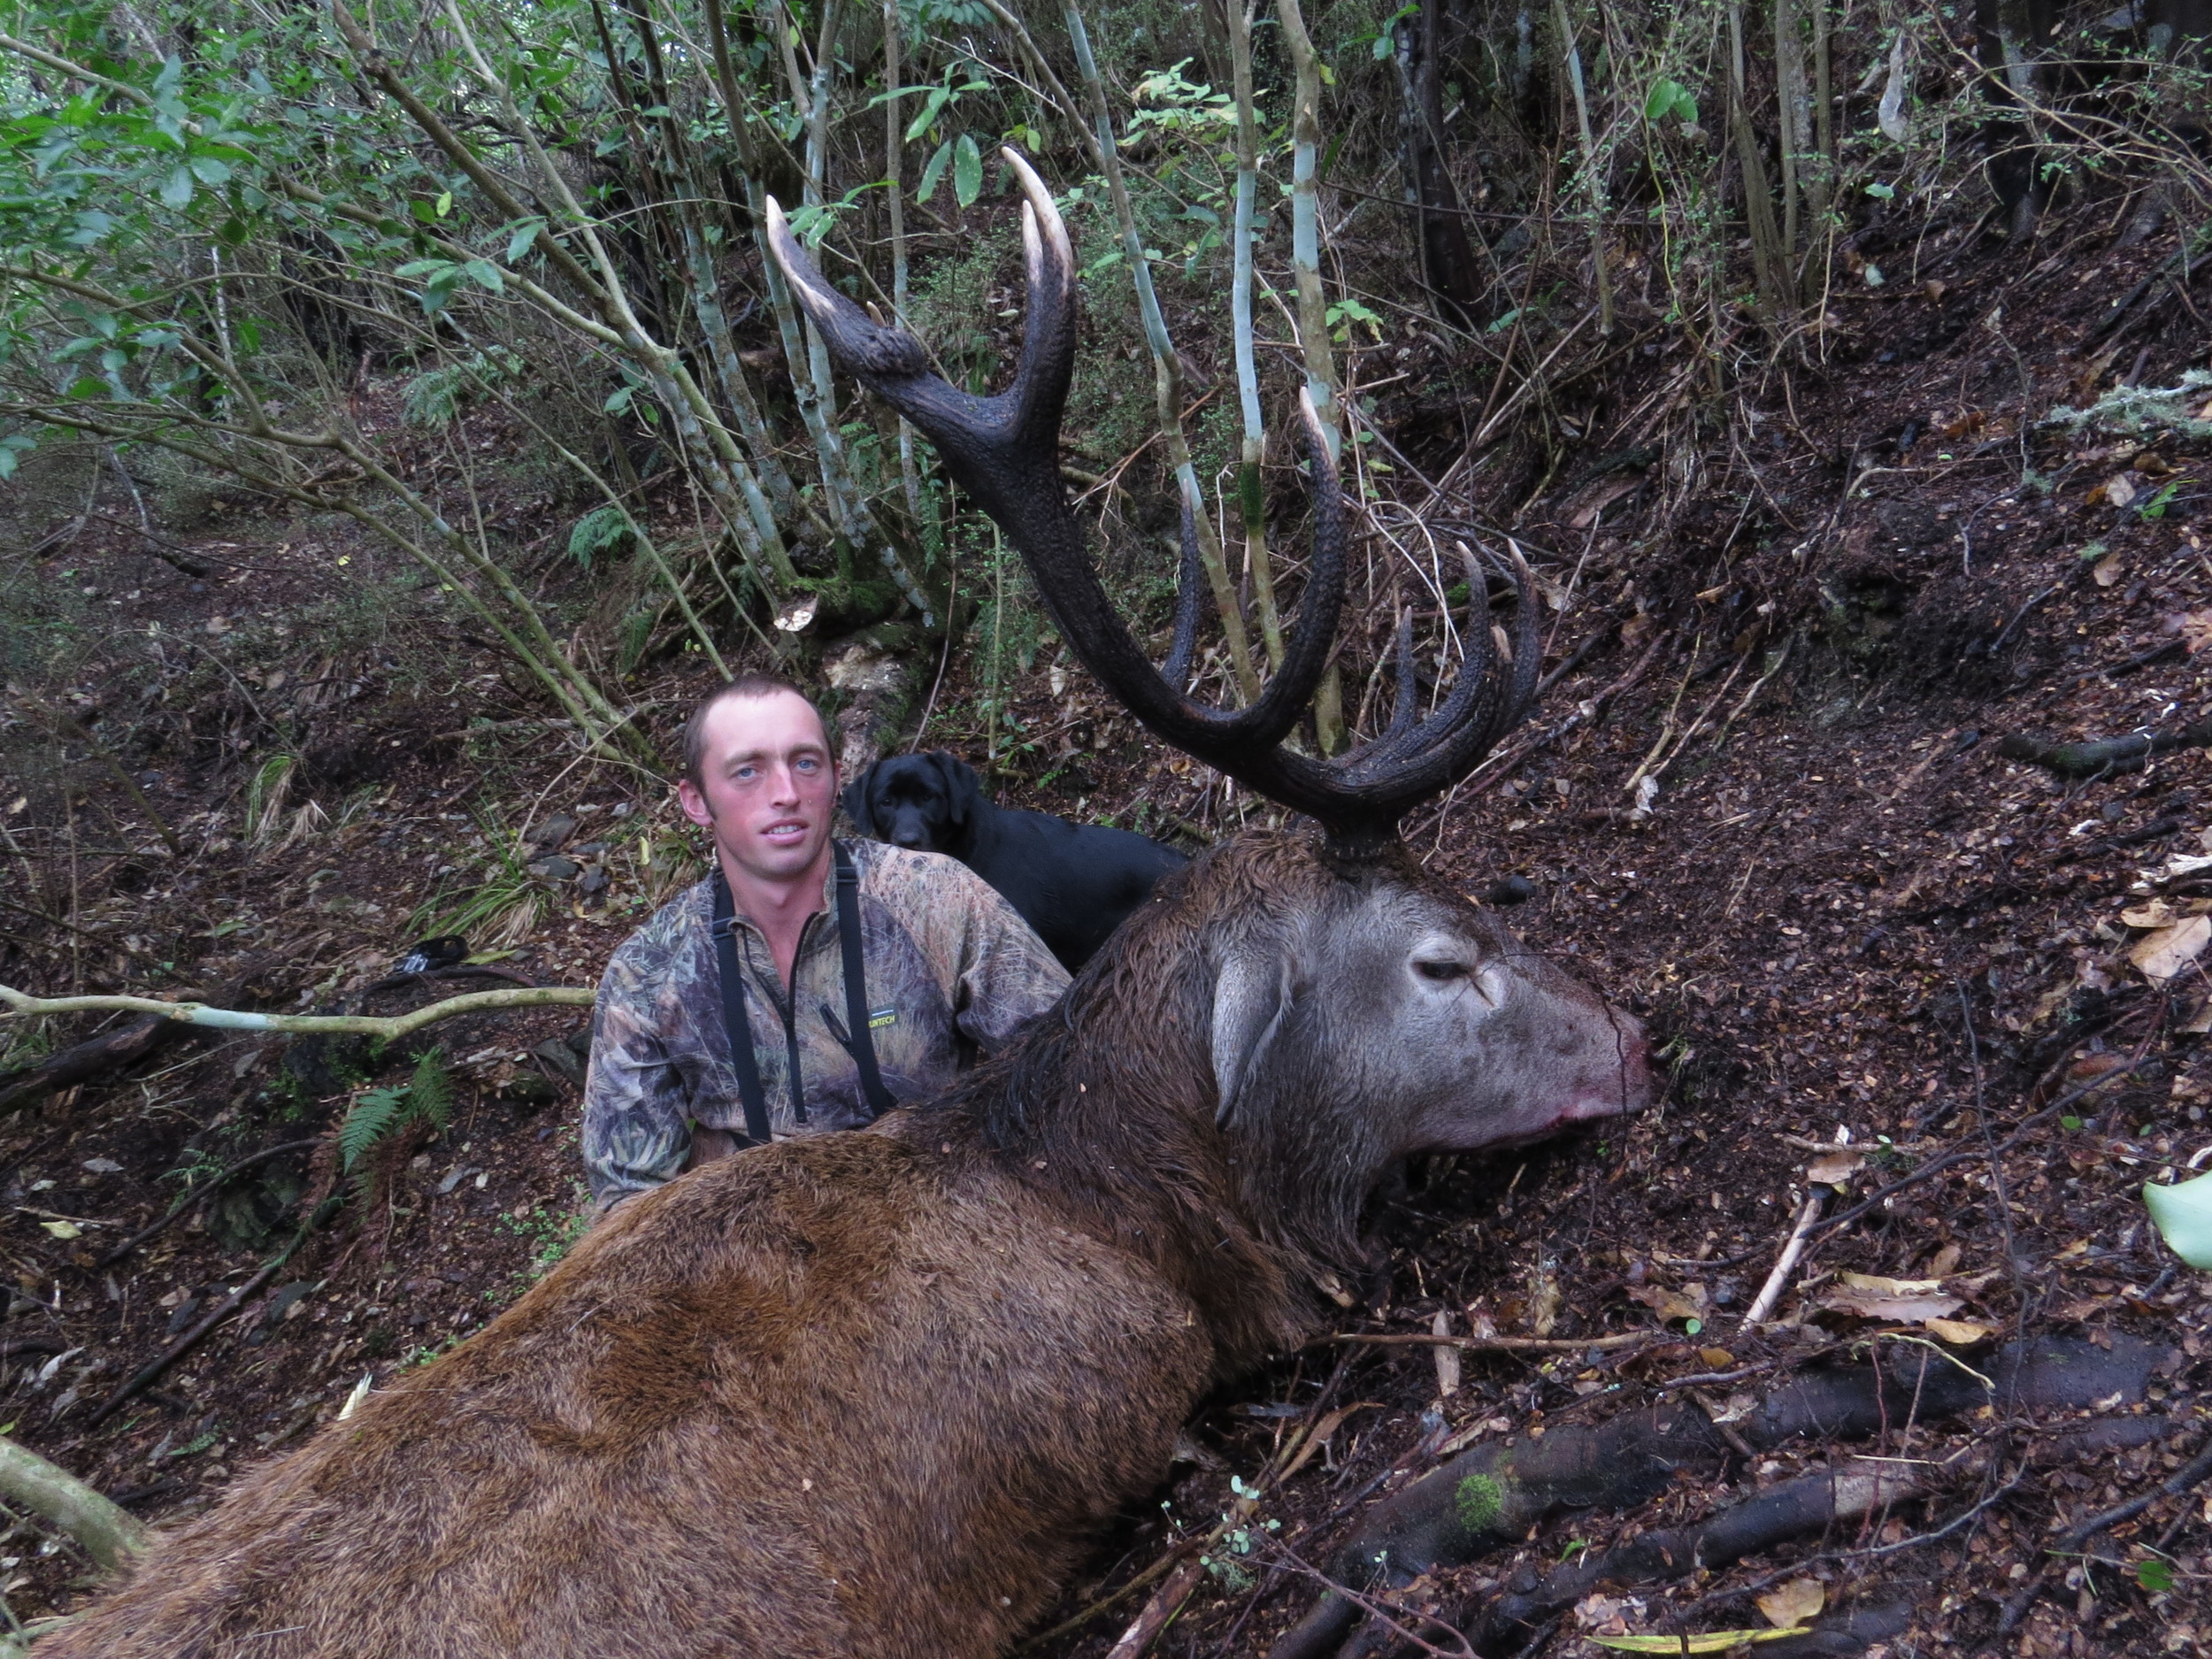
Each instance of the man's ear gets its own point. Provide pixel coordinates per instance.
(964, 791)
(693, 803)
(1253, 996)
(855, 801)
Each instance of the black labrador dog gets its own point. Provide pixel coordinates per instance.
(1072, 882)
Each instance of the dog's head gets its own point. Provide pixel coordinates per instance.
(917, 801)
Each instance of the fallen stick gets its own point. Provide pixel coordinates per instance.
(1500, 1344)
(1166, 1603)
(110, 1535)
(390, 1029)
(1937, 1165)
(2192, 1474)
(184, 1204)
(150, 1372)
(1778, 1281)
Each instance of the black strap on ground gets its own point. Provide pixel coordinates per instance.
(749, 1091)
(862, 1044)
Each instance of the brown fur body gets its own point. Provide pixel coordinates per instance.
(867, 1395)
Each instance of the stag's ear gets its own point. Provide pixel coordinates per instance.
(964, 791)
(1252, 998)
(855, 801)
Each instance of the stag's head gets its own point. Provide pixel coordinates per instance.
(1403, 1018)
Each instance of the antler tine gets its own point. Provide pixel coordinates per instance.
(1408, 683)
(1176, 670)
(1402, 743)
(1443, 751)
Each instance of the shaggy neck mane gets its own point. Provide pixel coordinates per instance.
(1108, 1103)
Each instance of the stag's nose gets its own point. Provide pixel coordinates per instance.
(1621, 1083)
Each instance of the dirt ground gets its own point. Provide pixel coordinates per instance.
(1865, 930)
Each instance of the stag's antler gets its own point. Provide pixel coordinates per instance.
(1004, 451)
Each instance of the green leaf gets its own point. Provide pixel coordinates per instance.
(424, 212)
(933, 170)
(525, 235)
(445, 203)
(1881, 192)
(1669, 97)
(485, 274)
(2155, 1575)
(618, 401)
(938, 97)
(250, 333)
(2069, 1123)
(1708, 1641)
(172, 73)
(2183, 1215)
(967, 171)
(368, 1121)
(2155, 507)
(209, 171)
(601, 529)
(430, 1092)
(176, 189)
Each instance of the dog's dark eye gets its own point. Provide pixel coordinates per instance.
(1442, 970)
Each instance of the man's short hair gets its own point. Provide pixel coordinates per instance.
(749, 684)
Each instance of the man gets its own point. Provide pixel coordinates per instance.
(947, 967)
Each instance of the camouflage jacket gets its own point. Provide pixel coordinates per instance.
(951, 969)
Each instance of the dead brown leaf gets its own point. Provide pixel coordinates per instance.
(1789, 1605)
(2165, 954)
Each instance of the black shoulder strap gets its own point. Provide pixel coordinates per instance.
(749, 1089)
(862, 1042)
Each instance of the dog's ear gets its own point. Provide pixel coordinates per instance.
(855, 801)
(963, 792)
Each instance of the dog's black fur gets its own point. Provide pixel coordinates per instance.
(1072, 882)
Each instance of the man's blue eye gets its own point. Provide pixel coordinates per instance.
(806, 763)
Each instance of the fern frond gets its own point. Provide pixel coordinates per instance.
(368, 1121)
(430, 1092)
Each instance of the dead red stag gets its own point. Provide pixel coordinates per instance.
(869, 1394)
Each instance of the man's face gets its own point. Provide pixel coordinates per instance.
(769, 786)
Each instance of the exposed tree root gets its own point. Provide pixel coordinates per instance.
(1490, 1496)
(87, 1060)
(109, 1535)
(2102, 759)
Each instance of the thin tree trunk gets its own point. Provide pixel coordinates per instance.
(1167, 371)
(1251, 497)
(1593, 192)
(894, 161)
(1313, 312)
(1766, 252)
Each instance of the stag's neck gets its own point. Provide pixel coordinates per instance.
(1116, 1134)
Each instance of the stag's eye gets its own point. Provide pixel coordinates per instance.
(1442, 971)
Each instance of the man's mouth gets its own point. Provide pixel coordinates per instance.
(784, 832)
